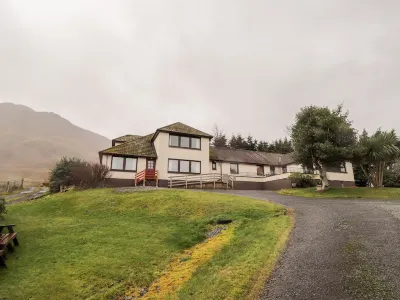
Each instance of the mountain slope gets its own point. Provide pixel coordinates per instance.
(30, 142)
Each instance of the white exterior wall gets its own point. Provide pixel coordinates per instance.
(118, 143)
(249, 169)
(294, 168)
(348, 176)
(164, 152)
(333, 176)
(141, 165)
(243, 168)
(219, 167)
(276, 177)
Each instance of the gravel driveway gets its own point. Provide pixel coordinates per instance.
(339, 249)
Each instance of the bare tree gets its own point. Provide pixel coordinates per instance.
(219, 139)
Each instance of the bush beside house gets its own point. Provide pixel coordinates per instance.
(78, 173)
(302, 180)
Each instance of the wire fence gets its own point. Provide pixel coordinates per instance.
(13, 184)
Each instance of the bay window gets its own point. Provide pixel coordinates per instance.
(119, 163)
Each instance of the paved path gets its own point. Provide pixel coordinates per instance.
(26, 195)
(339, 249)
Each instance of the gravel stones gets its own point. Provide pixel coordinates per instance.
(339, 249)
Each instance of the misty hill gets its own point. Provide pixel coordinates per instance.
(31, 141)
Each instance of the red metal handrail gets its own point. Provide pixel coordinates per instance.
(146, 174)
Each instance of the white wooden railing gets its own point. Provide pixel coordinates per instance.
(201, 180)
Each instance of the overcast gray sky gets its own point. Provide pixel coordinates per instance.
(117, 67)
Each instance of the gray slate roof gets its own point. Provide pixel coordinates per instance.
(135, 145)
(141, 146)
(183, 128)
(127, 138)
(249, 157)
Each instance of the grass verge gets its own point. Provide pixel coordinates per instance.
(358, 192)
(98, 244)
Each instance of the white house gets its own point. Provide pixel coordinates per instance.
(179, 149)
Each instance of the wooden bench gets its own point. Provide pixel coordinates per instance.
(5, 240)
(2, 259)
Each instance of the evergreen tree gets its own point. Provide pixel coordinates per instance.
(250, 144)
(323, 137)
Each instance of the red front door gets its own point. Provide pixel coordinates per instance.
(150, 164)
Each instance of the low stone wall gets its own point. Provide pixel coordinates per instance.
(247, 185)
(285, 183)
(338, 184)
(274, 185)
(119, 182)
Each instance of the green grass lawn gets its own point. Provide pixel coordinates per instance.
(358, 192)
(95, 244)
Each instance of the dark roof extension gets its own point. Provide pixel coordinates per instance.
(179, 127)
(126, 138)
(141, 146)
(250, 157)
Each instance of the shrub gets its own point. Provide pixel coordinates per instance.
(2, 206)
(302, 180)
(60, 175)
(76, 172)
(89, 175)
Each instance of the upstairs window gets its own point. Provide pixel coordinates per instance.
(174, 141)
(184, 142)
(195, 143)
(214, 165)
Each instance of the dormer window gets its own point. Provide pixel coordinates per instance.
(184, 142)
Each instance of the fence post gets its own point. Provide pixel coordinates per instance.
(201, 181)
(156, 179)
(186, 181)
(170, 182)
(8, 186)
(22, 183)
(227, 182)
(214, 181)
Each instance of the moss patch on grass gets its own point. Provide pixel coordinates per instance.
(181, 268)
(345, 193)
(97, 244)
